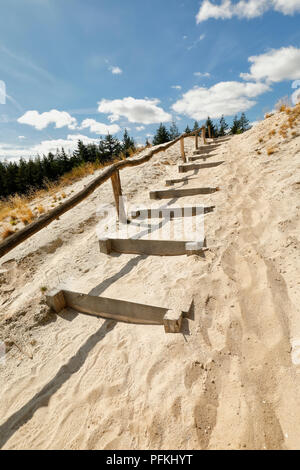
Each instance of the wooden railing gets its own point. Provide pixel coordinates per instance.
(111, 172)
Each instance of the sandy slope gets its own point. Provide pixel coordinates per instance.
(231, 380)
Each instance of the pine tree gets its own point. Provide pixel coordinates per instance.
(161, 136)
(174, 132)
(187, 130)
(244, 123)
(235, 128)
(81, 153)
(210, 124)
(196, 126)
(109, 147)
(223, 127)
(128, 144)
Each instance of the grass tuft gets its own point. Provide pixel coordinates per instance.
(7, 232)
(271, 150)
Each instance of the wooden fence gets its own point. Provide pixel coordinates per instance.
(111, 172)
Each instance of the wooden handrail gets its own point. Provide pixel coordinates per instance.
(17, 238)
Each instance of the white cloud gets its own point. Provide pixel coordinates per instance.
(226, 98)
(287, 7)
(209, 10)
(116, 70)
(21, 137)
(199, 74)
(245, 9)
(275, 66)
(41, 121)
(144, 111)
(176, 87)
(99, 128)
(140, 128)
(69, 144)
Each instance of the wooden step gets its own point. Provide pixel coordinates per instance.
(139, 246)
(200, 157)
(180, 192)
(197, 166)
(207, 149)
(121, 310)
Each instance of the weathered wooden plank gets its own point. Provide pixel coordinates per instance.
(197, 166)
(117, 190)
(122, 310)
(180, 192)
(138, 246)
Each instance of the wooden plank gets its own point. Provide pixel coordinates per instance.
(203, 157)
(122, 310)
(182, 152)
(196, 141)
(203, 135)
(180, 192)
(197, 166)
(139, 246)
(117, 190)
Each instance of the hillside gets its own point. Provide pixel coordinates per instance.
(229, 381)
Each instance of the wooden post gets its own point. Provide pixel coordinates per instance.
(196, 140)
(182, 149)
(203, 135)
(209, 131)
(117, 189)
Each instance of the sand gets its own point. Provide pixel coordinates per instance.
(230, 380)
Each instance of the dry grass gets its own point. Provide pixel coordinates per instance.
(14, 207)
(271, 150)
(272, 133)
(7, 232)
(293, 117)
(40, 209)
(283, 104)
(27, 216)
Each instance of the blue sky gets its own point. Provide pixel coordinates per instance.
(84, 67)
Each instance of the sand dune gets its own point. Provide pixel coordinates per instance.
(231, 380)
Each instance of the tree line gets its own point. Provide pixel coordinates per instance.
(219, 129)
(23, 176)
